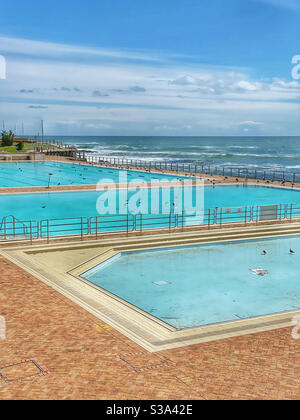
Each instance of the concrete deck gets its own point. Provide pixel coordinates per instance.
(61, 267)
(84, 358)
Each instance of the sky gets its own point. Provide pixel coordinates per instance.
(159, 67)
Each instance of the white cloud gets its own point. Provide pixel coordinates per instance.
(250, 123)
(173, 96)
(282, 84)
(184, 81)
(245, 85)
(29, 47)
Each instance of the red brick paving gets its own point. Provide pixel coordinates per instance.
(86, 359)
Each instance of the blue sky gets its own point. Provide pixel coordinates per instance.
(140, 67)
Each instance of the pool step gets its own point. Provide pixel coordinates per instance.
(281, 229)
(212, 236)
(177, 238)
(209, 233)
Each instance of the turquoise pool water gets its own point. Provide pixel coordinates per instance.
(207, 284)
(29, 174)
(75, 204)
(131, 211)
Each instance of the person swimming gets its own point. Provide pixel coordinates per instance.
(291, 251)
(264, 252)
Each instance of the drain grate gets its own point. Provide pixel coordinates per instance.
(22, 370)
(139, 361)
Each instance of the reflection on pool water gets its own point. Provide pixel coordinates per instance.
(206, 284)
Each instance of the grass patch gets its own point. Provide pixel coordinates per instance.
(12, 149)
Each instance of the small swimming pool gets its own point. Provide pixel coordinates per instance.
(34, 174)
(206, 284)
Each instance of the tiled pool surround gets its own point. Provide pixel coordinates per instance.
(146, 330)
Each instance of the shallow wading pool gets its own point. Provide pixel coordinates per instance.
(206, 284)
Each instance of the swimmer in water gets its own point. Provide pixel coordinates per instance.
(264, 252)
(291, 251)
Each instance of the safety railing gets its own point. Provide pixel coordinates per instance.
(195, 168)
(75, 226)
(12, 229)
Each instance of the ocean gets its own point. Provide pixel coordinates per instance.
(268, 153)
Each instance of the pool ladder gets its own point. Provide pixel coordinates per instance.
(10, 227)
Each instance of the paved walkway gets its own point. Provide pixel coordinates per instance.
(83, 358)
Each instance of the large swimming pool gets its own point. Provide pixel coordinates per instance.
(52, 205)
(134, 210)
(206, 284)
(34, 174)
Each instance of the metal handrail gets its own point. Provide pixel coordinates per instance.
(195, 167)
(72, 226)
(14, 220)
(94, 225)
